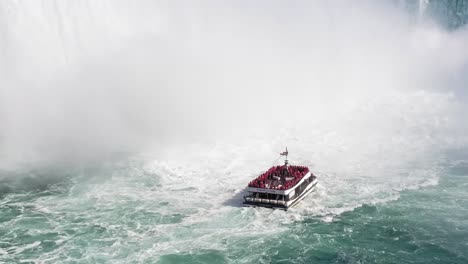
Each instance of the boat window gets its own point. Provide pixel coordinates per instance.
(296, 193)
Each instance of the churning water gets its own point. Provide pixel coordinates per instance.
(129, 130)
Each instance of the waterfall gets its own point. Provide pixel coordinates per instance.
(422, 7)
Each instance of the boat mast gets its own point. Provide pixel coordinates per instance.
(286, 160)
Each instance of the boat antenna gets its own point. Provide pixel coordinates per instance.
(286, 160)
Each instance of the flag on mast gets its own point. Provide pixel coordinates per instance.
(284, 153)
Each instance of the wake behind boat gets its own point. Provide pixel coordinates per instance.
(280, 186)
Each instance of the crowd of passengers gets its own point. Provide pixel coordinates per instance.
(275, 177)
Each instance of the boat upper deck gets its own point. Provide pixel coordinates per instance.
(280, 177)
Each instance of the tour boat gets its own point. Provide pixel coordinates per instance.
(281, 186)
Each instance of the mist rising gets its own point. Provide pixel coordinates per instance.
(84, 80)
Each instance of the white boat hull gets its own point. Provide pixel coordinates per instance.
(285, 205)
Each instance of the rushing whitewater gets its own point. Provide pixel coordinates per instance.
(130, 129)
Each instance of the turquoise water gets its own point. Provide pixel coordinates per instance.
(129, 130)
(124, 217)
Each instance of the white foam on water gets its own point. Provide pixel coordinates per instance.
(354, 166)
(210, 95)
(192, 201)
(19, 250)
